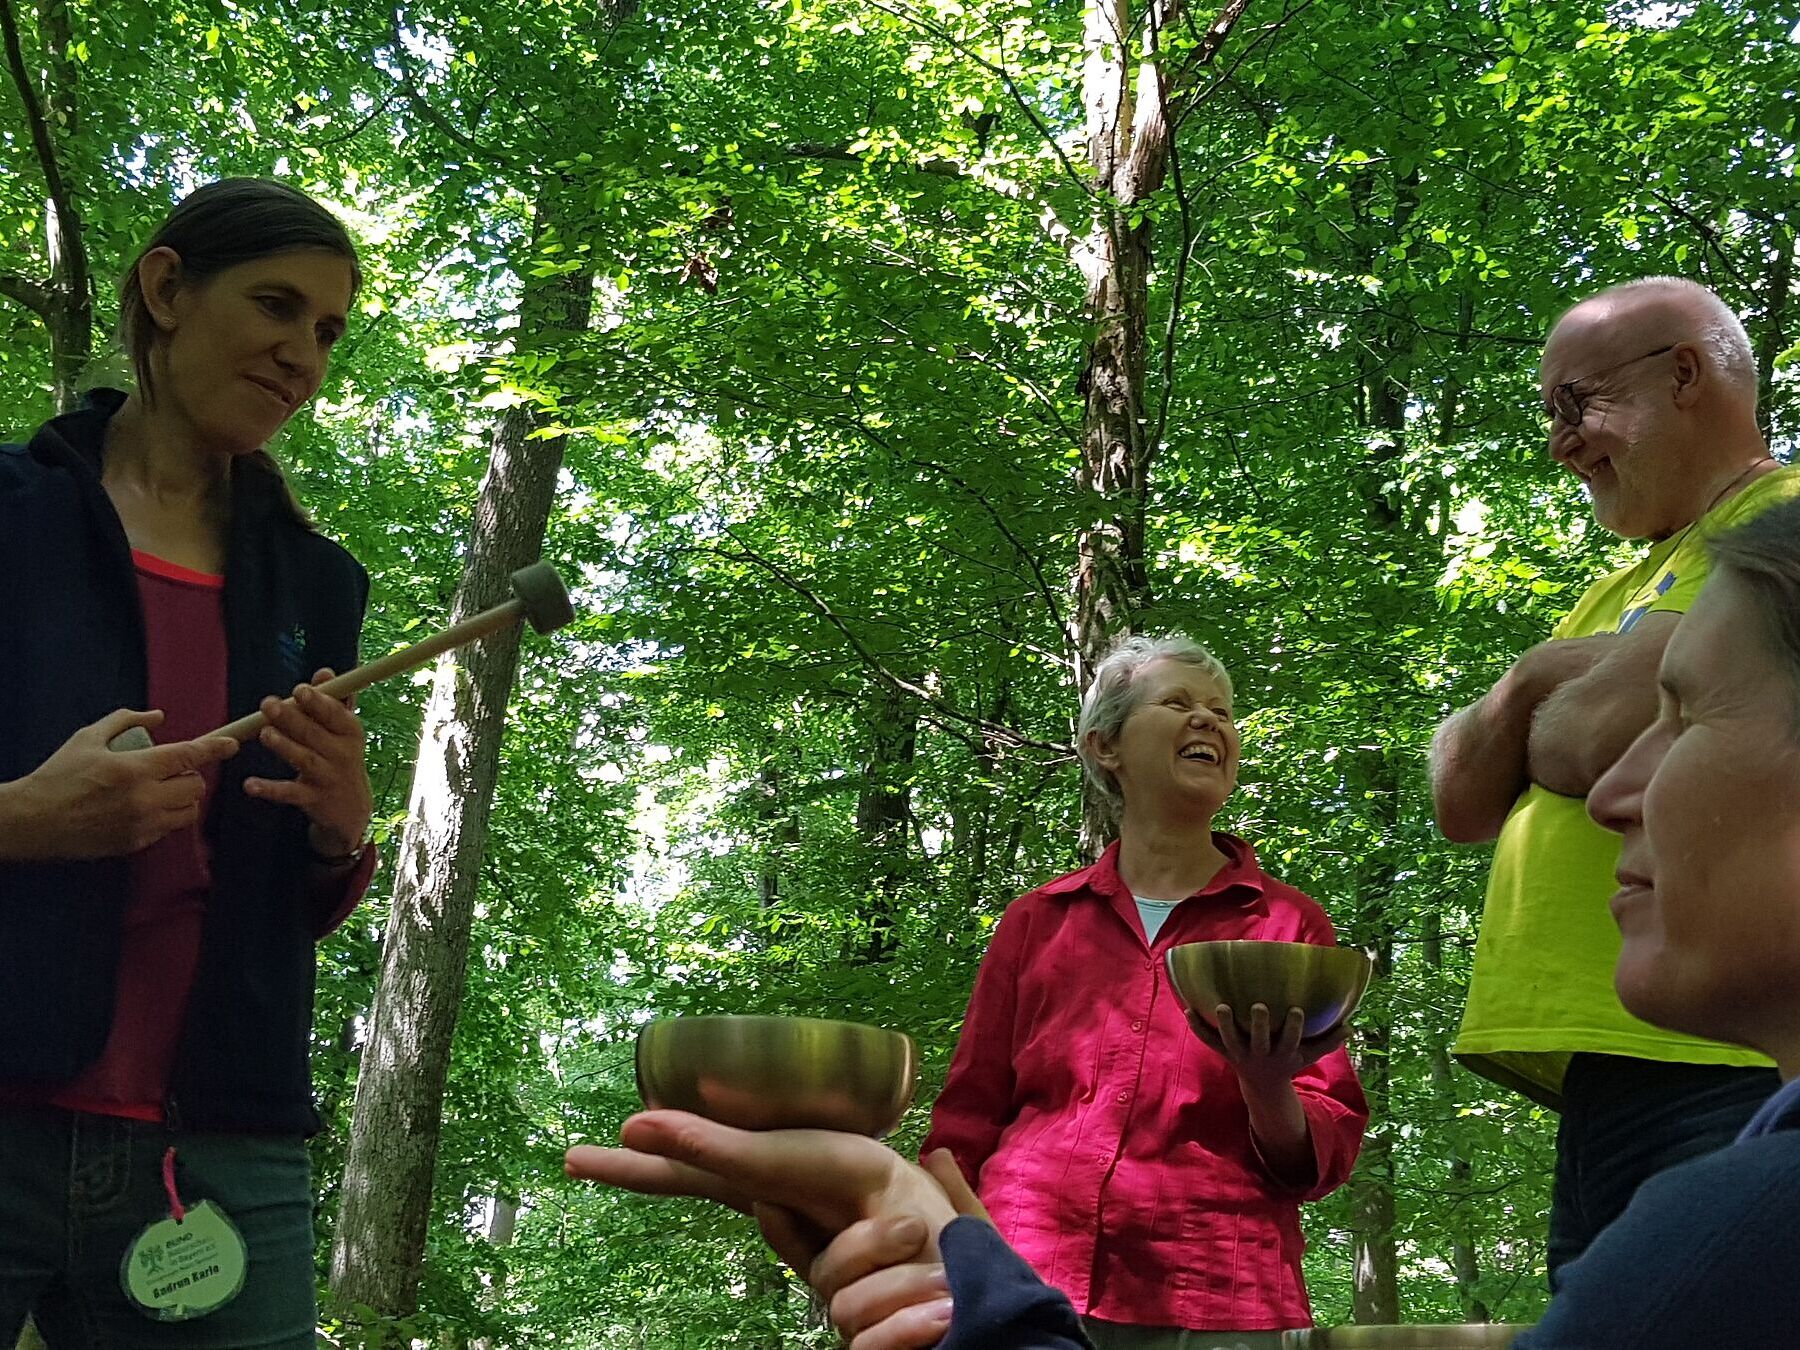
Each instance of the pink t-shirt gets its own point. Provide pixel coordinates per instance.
(184, 644)
(186, 663)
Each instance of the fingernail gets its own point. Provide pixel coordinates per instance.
(908, 1228)
(940, 1312)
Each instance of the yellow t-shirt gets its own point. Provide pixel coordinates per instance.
(1542, 987)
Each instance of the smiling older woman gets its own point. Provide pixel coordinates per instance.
(1152, 1174)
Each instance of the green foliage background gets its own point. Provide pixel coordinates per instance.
(825, 434)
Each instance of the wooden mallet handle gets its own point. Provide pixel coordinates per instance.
(540, 598)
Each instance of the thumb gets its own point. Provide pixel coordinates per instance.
(190, 756)
(941, 1164)
(123, 719)
(795, 1240)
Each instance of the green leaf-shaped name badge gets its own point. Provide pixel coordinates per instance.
(176, 1272)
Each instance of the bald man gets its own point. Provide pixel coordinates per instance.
(1650, 394)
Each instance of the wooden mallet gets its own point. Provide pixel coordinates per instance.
(539, 598)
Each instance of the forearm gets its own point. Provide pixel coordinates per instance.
(1283, 1136)
(13, 828)
(22, 828)
(1478, 760)
(1580, 730)
(1582, 726)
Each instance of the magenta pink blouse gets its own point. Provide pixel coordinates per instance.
(1112, 1147)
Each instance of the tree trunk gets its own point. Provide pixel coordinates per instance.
(1128, 148)
(1465, 1262)
(63, 301)
(884, 814)
(388, 1171)
(1771, 332)
(974, 804)
(1375, 1284)
(781, 833)
(503, 1221)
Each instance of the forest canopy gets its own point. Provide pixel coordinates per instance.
(879, 362)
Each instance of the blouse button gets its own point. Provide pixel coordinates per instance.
(1124, 1097)
(1137, 1026)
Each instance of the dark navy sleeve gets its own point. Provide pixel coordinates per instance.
(1001, 1304)
(1705, 1255)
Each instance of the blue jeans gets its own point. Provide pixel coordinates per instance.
(76, 1189)
(1625, 1120)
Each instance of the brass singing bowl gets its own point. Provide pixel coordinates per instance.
(779, 1073)
(1325, 983)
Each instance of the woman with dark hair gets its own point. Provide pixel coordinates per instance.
(160, 906)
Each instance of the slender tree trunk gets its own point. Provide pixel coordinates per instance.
(884, 813)
(63, 300)
(1771, 332)
(1128, 150)
(1375, 1288)
(974, 805)
(503, 1222)
(1465, 1262)
(1375, 1283)
(781, 833)
(392, 1158)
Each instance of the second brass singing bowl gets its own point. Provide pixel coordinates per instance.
(1325, 983)
(779, 1073)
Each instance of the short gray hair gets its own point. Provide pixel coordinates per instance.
(1763, 558)
(1721, 331)
(1113, 694)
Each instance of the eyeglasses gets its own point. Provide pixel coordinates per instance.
(1568, 405)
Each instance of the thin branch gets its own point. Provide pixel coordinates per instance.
(1000, 72)
(1000, 524)
(1052, 224)
(34, 114)
(992, 730)
(34, 295)
(387, 101)
(1708, 232)
(409, 85)
(1188, 105)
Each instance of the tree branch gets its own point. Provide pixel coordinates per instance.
(1000, 72)
(34, 295)
(1037, 572)
(34, 115)
(993, 731)
(409, 85)
(1209, 52)
(1048, 221)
